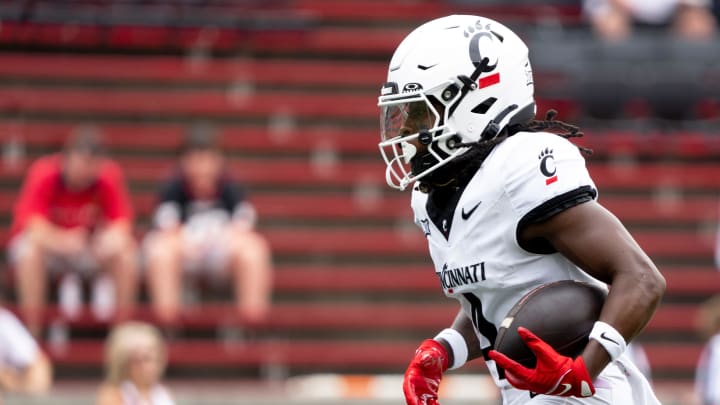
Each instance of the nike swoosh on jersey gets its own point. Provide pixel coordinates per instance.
(466, 215)
(602, 335)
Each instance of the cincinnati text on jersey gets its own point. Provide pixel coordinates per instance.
(459, 276)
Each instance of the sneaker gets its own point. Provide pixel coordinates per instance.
(70, 295)
(103, 297)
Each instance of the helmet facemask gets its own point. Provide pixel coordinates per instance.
(467, 77)
(415, 139)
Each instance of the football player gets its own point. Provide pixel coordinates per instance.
(507, 204)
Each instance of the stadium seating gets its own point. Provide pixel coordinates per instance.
(310, 329)
(275, 26)
(296, 104)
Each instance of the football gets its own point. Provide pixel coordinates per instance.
(561, 313)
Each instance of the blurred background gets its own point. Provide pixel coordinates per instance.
(288, 90)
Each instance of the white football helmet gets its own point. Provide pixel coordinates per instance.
(452, 82)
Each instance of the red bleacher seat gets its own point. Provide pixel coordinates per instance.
(324, 318)
(232, 102)
(208, 103)
(681, 357)
(377, 242)
(681, 280)
(346, 206)
(317, 354)
(166, 138)
(320, 355)
(671, 177)
(186, 70)
(307, 138)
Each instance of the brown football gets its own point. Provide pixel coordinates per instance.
(561, 313)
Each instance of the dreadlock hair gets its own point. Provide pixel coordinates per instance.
(564, 129)
(464, 166)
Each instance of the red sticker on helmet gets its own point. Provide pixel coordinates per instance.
(488, 81)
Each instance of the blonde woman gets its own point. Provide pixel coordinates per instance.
(135, 357)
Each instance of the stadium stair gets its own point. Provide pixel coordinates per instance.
(354, 289)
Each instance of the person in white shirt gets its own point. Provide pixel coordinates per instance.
(135, 357)
(707, 376)
(24, 368)
(507, 204)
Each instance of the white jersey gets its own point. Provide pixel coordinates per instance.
(478, 259)
(18, 349)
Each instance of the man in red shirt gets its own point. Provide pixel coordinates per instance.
(73, 215)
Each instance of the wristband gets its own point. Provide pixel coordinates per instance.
(457, 345)
(609, 338)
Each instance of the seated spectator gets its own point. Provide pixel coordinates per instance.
(204, 226)
(135, 358)
(72, 218)
(707, 377)
(24, 368)
(614, 19)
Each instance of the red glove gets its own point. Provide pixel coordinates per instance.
(554, 374)
(423, 375)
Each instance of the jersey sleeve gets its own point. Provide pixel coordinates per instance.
(231, 193)
(114, 194)
(34, 198)
(19, 348)
(545, 175)
(168, 213)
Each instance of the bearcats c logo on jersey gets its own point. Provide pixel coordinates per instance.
(547, 166)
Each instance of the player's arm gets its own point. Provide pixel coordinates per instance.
(559, 214)
(464, 327)
(597, 242)
(451, 348)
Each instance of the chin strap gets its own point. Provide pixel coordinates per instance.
(492, 130)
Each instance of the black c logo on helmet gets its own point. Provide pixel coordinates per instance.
(475, 55)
